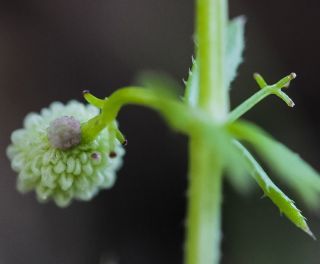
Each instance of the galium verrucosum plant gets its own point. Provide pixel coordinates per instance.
(72, 151)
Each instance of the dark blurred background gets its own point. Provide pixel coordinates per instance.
(51, 50)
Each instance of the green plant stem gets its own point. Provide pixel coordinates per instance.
(204, 214)
(205, 172)
(211, 20)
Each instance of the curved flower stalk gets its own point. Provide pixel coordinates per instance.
(72, 151)
(50, 155)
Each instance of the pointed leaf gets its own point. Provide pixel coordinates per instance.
(288, 165)
(236, 171)
(235, 47)
(283, 202)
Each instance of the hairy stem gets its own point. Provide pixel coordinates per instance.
(205, 172)
(204, 215)
(211, 30)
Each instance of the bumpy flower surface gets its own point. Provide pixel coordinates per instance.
(62, 175)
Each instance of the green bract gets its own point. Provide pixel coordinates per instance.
(62, 175)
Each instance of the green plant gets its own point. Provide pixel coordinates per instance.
(218, 139)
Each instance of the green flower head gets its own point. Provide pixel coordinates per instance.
(51, 158)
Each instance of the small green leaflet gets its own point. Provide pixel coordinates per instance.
(293, 170)
(233, 57)
(235, 47)
(283, 202)
(236, 169)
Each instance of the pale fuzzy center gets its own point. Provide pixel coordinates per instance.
(64, 132)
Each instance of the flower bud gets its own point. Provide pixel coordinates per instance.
(49, 157)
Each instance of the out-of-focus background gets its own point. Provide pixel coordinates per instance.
(51, 50)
